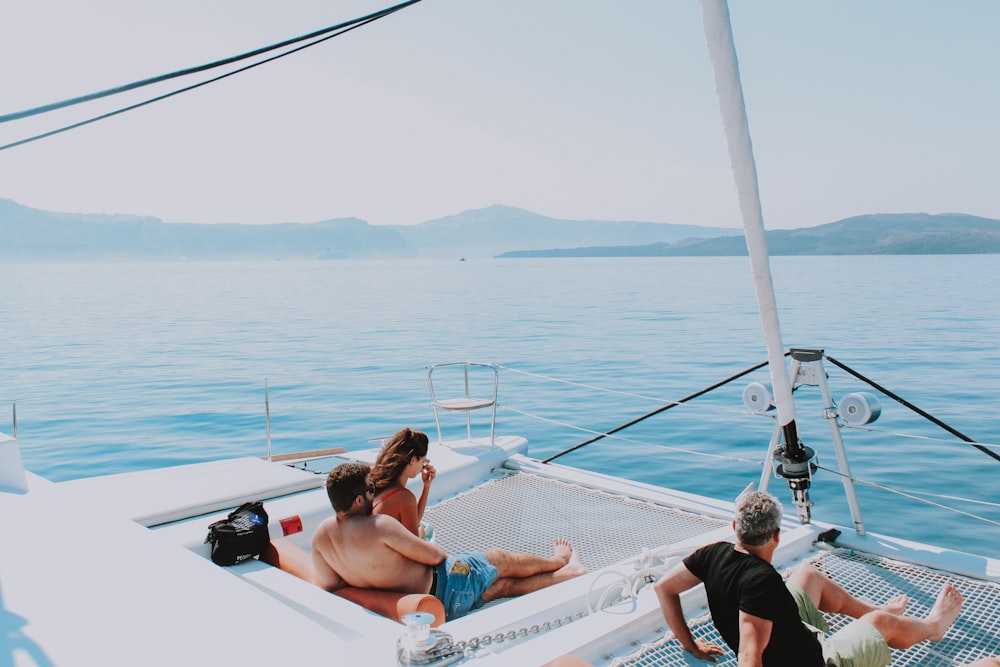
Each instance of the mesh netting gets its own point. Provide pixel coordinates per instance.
(524, 512)
(976, 633)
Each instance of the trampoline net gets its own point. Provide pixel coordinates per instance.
(524, 512)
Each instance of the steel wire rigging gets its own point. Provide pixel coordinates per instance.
(599, 435)
(614, 434)
(317, 37)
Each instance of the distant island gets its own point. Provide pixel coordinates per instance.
(877, 234)
(498, 231)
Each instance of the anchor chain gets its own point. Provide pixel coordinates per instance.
(468, 646)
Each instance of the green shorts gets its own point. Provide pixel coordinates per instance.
(857, 644)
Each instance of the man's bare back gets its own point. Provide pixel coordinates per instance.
(355, 548)
(373, 552)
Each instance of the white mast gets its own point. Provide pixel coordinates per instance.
(722, 51)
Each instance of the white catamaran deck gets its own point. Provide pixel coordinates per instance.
(82, 586)
(94, 585)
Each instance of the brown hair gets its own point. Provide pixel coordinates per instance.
(395, 456)
(345, 483)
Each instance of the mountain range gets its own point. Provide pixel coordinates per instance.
(29, 234)
(876, 234)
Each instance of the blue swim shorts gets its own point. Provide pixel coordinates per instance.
(460, 582)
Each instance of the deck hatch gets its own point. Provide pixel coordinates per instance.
(524, 512)
(976, 633)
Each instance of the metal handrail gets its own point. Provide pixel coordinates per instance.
(466, 403)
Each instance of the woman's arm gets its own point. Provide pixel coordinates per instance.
(427, 476)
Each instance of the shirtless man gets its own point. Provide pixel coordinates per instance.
(354, 548)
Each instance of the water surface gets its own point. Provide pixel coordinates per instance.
(127, 366)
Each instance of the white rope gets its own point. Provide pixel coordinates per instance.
(650, 565)
(581, 384)
(688, 405)
(914, 436)
(911, 495)
(615, 436)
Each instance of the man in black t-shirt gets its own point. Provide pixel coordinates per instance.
(770, 623)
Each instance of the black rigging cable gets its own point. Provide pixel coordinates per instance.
(338, 30)
(920, 412)
(202, 68)
(658, 411)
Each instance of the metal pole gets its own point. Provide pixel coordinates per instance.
(267, 418)
(768, 472)
(830, 413)
(772, 447)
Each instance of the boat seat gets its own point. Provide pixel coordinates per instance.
(289, 557)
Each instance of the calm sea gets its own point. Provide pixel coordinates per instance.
(126, 366)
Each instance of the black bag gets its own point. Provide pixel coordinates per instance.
(241, 536)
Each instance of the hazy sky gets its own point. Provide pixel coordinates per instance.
(570, 108)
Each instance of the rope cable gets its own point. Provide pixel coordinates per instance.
(202, 68)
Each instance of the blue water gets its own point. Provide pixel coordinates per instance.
(119, 367)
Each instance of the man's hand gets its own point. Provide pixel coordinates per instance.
(668, 591)
(705, 650)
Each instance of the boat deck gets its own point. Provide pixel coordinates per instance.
(487, 495)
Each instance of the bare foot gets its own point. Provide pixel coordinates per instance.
(562, 549)
(945, 611)
(573, 567)
(897, 605)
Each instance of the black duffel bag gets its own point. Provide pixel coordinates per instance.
(240, 536)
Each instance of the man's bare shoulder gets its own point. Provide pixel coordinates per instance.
(327, 525)
(336, 525)
(324, 531)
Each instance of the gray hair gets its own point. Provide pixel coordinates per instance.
(758, 517)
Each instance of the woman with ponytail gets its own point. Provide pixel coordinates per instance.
(401, 459)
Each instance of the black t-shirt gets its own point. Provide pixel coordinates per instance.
(736, 581)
